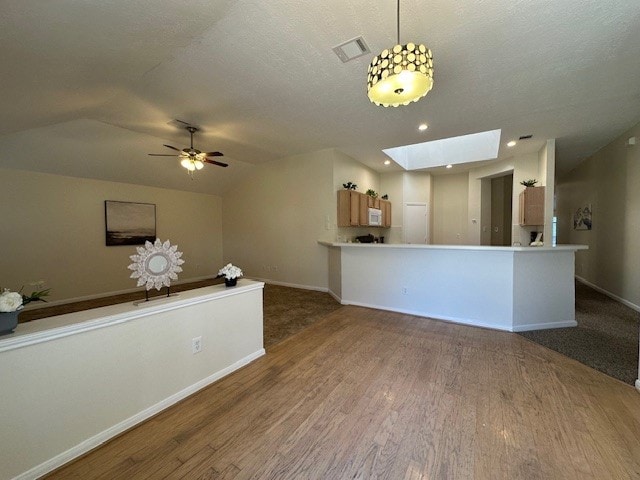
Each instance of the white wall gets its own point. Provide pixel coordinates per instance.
(392, 184)
(481, 286)
(53, 229)
(276, 215)
(610, 181)
(546, 176)
(402, 188)
(450, 209)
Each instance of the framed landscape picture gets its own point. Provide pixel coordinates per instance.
(128, 223)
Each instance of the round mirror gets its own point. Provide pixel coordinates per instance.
(157, 264)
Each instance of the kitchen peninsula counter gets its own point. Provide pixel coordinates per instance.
(505, 288)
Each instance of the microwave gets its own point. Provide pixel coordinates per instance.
(375, 217)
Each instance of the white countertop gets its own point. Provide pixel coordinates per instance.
(453, 247)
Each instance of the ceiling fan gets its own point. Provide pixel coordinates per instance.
(191, 158)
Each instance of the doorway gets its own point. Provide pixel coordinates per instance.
(501, 210)
(416, 229)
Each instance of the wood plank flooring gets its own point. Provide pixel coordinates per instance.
(371, 394)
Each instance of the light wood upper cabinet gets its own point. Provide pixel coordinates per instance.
(348, 208)
(364, 209)
(532, 206)
(353, 209)
(385, 206)
(372, 202)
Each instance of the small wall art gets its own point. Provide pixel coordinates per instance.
(129, 223)
(582, 218)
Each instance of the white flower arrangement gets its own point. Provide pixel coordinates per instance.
(10, 301)
(230, 272)
(13, 301)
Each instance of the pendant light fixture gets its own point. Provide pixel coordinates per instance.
(400, 75)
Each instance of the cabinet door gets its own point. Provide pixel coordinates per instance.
(344, 208)
(385, 206)
(373, 202)
(354, 203)
(532, 206)
(349, 212)
(364, 209)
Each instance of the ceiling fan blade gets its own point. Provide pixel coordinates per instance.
(214, 154)
(172, 148)
(213, 162)
(161, 155)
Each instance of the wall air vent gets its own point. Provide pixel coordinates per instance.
(354, 48)
(525, 137)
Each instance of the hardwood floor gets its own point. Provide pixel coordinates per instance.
(371, 394)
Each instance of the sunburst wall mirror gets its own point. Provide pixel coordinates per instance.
(155, 265)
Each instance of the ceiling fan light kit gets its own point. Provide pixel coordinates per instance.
(191, 158)
(400, 75)
(191, 164)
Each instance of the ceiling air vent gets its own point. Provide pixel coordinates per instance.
(525, 137)
(351, 49)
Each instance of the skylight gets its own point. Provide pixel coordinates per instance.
(448, 151)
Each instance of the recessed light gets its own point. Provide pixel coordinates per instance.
(423, 127)
(449, 166)
(512, 143)
(387, 162)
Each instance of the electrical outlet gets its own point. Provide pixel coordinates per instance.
(196, 345)
(405, 291)
(275, 268)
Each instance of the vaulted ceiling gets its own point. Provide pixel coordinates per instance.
(88, 88)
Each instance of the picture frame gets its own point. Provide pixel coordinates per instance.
(582, 218)
(129, 223)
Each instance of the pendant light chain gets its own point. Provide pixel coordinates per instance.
(398, 22)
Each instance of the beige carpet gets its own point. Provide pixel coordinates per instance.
(289, 310)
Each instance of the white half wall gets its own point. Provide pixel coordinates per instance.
(72, 382)
(506, 288)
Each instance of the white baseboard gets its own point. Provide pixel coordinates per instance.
(544, 326)
(461, 321)
(109, 433)
(335, 297)
(53, 303)
(292, 285)
(632, 306)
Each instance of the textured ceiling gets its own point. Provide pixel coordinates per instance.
(90, 86)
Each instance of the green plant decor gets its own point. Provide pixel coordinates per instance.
(529, 183)
(372, 193)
